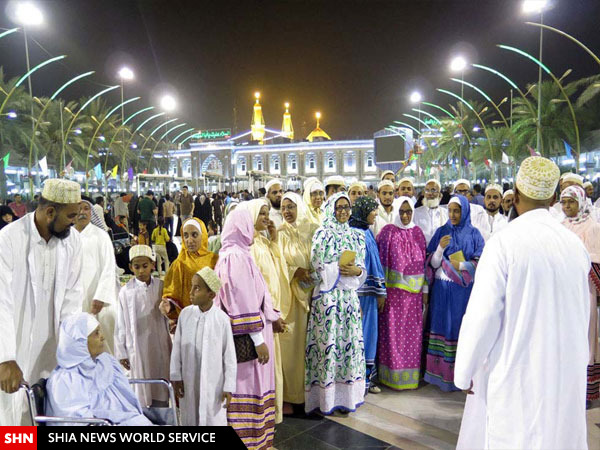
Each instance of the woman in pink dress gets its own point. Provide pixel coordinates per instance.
(245, 298)
(402, 250)
(579, 221)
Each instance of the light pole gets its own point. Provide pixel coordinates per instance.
(27, 14)
(168, 104)
(125, 74)
(537, 6)
(458, 64)
(417, 98)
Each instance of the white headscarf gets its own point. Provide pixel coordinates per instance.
(398, 220)
(297, 200)
(254, 207)
(72, 342)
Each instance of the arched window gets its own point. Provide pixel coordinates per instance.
(330, 162)
(292, 163)
(275, 164)
(370, 162)
(310, 163)
(258, 162)
(349, 161)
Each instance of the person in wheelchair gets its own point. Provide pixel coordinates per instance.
(89, 382)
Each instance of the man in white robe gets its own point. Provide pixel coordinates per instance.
(385, 212)
(523, 346)
(430, 216)
(203, 361)
(99, 273)
(463, 187)
(274, 194)
(40, 284)
(490, 221)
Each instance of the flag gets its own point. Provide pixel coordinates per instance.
(98, 171)
(568, 149)
(532, 152)
(68, 166)
(427, 170)
(115, 171)
(44, 166)
(145, 171)
(487, 162)
(505, 159)
(413, 157)
(5, 159)
(466, 161)
(130, 173)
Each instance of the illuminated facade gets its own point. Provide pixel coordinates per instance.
(230, 166)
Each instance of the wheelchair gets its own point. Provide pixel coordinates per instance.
(36, 401)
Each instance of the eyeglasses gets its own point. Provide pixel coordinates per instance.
(431, 191)
(344, 208)
(462, 191)
(288, 208)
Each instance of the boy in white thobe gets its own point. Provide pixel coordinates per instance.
(142, 341)
(203, 362)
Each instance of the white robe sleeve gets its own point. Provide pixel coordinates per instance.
(105, 289)
(483, 319)
(8, 349)
(120, 328)
(176, 370)
(73, 301)
(229, 359)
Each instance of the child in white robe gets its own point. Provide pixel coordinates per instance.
(203, 362)
(142, 340)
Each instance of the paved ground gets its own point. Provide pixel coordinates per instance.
(425, 418)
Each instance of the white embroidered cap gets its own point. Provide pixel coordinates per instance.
(537, 178)
(61, 191)
(210, 278)
(141, 250)
(494, 187)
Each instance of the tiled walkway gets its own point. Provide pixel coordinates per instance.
(425, 418)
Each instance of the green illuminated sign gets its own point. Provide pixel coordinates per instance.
(430, 122)
(213, 135)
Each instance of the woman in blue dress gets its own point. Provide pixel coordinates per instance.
(453, 253)
(372, 293)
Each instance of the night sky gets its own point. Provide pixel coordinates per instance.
(356, 62)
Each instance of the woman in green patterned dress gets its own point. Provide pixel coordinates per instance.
(335, 361)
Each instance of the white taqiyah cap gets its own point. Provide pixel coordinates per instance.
(537, 178)
(141, 250)
(494, 187)
(462, 181)
(335, 180)
(508, 192)
(387, 172)
(271, 183)
(210, 278)
(61, 191)
(383, 183)
(573, 177)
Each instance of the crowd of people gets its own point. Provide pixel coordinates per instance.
(304, 302)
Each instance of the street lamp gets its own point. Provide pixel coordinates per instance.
(416, 97)
(27, 14)
(124, 74)
(538, 6)
(458, 64)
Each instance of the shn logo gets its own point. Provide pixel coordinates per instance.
(18, 438)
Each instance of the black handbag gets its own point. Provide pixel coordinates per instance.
(244, 348)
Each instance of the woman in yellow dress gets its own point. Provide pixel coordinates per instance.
(295, 237)
(314, 195)
(267, 255)
(194, 256)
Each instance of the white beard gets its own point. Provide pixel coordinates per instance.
(431, 202)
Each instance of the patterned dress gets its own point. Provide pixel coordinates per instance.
(402, 251)
(335, 361)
